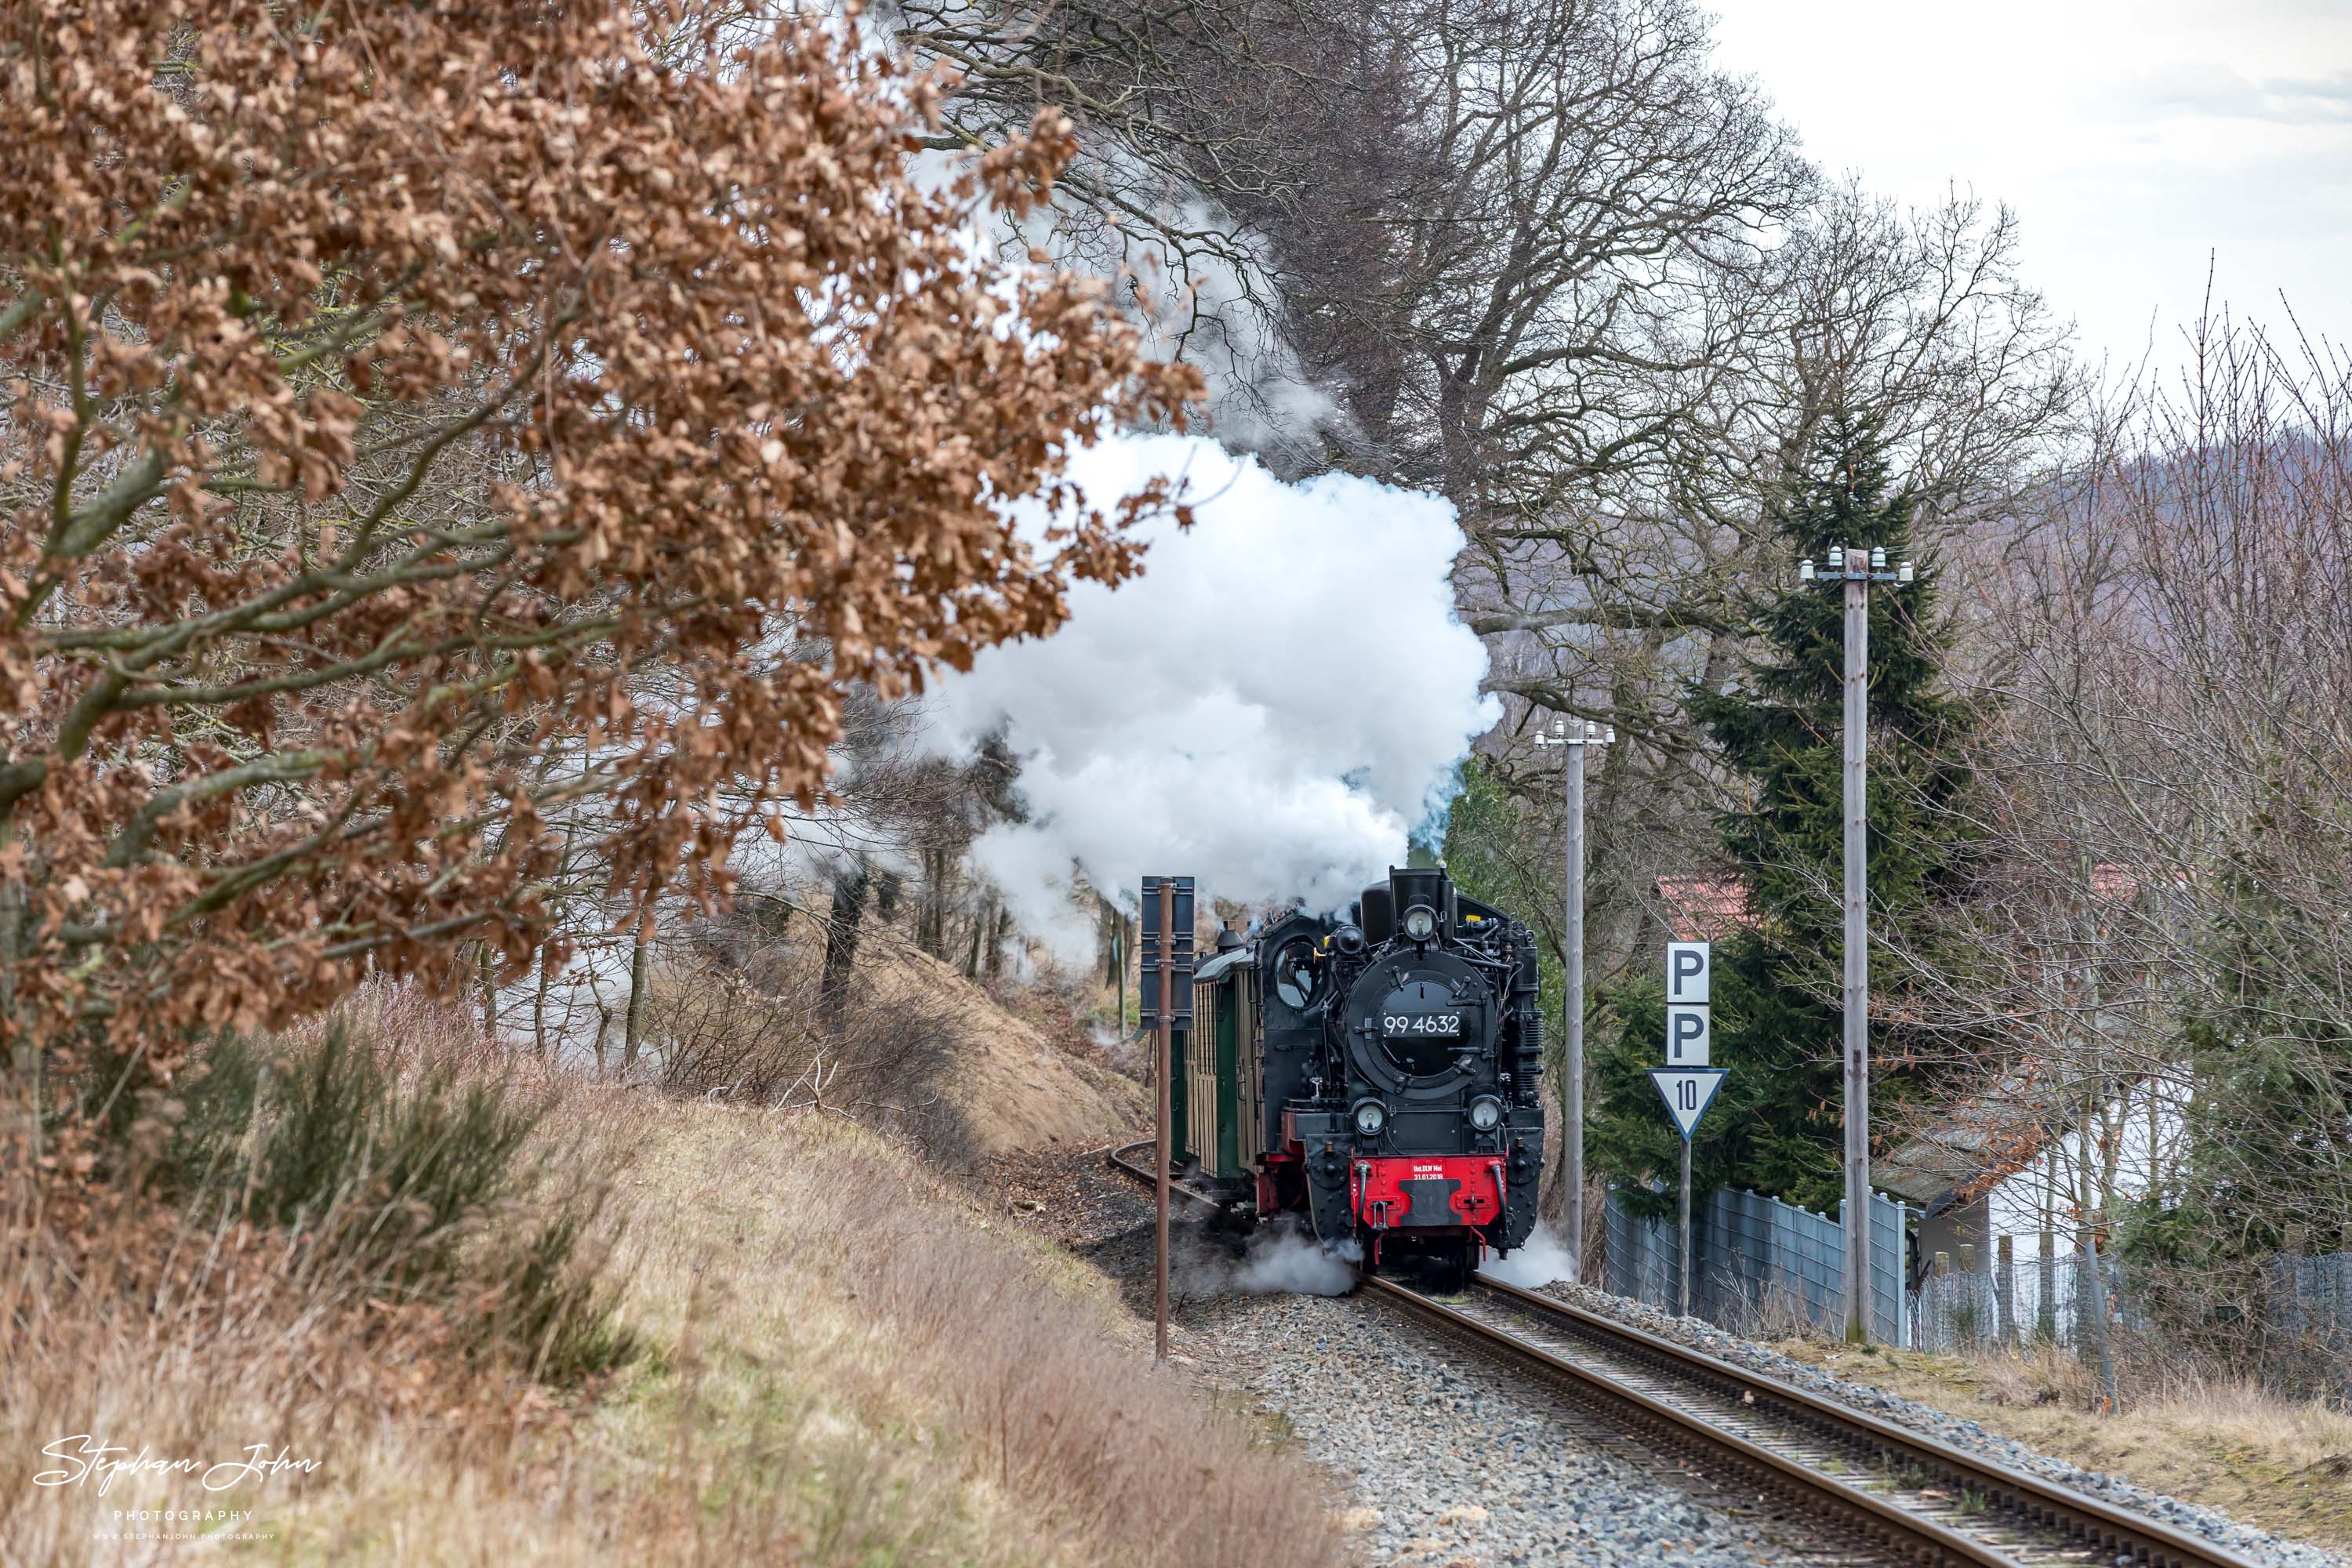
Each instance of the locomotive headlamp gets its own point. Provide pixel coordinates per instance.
(1486, 1112)
(1370, 1117)
(1419, 922)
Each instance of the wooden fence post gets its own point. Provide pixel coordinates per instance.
(2046, 1310)
(2004, 1292)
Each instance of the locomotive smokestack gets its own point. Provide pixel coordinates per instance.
(1424, 888)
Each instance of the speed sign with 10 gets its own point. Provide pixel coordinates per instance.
(1687, 1091)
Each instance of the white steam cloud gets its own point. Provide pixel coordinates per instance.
(1289, 1263)
(1540, 1262)
(1271, 707)
(1279, 1261)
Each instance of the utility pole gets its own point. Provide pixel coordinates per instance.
(1857, 570)
(1572, 1074)
(1166, 1028)
(1165, 979)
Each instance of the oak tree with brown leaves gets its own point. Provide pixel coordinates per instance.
(384, 389)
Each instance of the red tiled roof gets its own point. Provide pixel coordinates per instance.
(1707, 908)
(1702, 908)
(2112, 884)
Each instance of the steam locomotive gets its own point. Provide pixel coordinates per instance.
(1377, 1076)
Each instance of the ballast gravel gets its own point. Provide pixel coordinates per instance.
(1451, 1462)
(1446, 1461)
(2186, 1517)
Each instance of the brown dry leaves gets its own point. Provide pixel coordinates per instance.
(382, 387)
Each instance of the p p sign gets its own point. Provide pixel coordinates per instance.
(1688, 966)
(1686, 1037)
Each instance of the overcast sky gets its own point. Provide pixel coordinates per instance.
(2135, 138)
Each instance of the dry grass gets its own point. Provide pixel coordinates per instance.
(1777, 1312)
(939, 1344)
(773, 1037)
(2267, 1460)
(215, 1329)
(842, 1362)
(907, 1045)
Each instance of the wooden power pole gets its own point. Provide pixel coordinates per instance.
(1857, 960)
(1162, 1035)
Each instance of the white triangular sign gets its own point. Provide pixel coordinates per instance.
(1687, 1091)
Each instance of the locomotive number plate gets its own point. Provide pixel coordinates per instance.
(1415, 1025)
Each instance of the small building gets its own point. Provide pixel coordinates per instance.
(1947, 1173)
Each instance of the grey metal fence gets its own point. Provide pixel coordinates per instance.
(1761, 1267)
(2310, 1327)
(2286, 1320)
(1964, 1303)
(2316, 1295)
(1758, 1264)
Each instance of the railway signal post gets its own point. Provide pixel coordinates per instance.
(1856, 569)
(1162, 1030)
(1572, 1074)
(1166, 983)
(1687, 1083)
(1687, 1091)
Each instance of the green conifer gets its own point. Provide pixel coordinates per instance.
(1777, 1124)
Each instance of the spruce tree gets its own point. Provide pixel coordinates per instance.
(2266, 1044)
(1777, 1124)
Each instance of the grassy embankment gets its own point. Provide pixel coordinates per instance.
(646, 1331)
(2265, 1460)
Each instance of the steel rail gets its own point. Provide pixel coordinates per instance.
(1120, 1158)
(2043, 1508)
(1911, 1534)
(1925, 1537)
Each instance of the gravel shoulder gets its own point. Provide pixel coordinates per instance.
(1441, 1460)
(2321, 1497)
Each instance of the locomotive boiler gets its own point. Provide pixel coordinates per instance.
(1377, 1076)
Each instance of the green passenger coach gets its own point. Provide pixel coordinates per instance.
(1222, 1132)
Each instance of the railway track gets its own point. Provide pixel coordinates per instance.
(1902, 1493)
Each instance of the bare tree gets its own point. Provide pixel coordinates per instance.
(1545, 257)
(2155, 968)
(352, 478)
